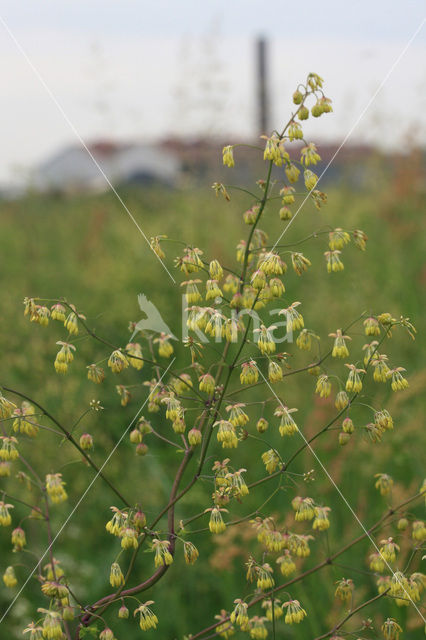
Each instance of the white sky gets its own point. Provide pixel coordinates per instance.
(146, 69)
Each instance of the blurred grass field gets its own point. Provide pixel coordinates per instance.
(86, 249)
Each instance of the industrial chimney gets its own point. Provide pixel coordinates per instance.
(262, 85)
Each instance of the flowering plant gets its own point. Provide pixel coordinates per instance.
(230, 402)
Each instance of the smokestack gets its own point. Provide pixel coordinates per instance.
(262, 85)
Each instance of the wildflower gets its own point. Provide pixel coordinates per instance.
(300, 263)
(238, 484)
(123, 612)
(391, 629)
(226, 434)
(376, 562)
(310, 178)
(6, 408)
(52, 629)
(134, 355)
(194, 437)
(419, 531)
(249, 372)
(348, 426)
(5, 517)
(237, 415)
(288, 426)
(354, 383)
(212, 290)
(383, 419)
(286, 563)
(305, 510)
(71, 323)
(216, 523)
(117, 361)
(293, 317)
(95, 374)
(344, 589)
(374, 431)
(54, 589)
(225, 629)
(9, 578)
(55, 488)
(384, 483)
(4, 469)
(342, 400)
(388, 550)
(239, 614)
(190, 552)
(23, 424)
(163, 557)
(360, 239)
(271, 460)
(295, 613)
(265, 579)
(323, 386)
(116, 578)
(148, 619)
(309, 155)
(338, 238)
(292, 173)
(285, 213)
(321, 521)
(275, 373)
(18, 539)
(294, 131)
(262, 425)
(228, 156)
(258, 630)
(258, 280)
(287, 195)
(304, 340)
(381, 369)
(265, 341)
(276, 287)
(8, 450)
(165, 348)
(333, 261)
(271, 264)
(117, 522)
(156, 247)
(315, 81)
(340, 349)
(40, 315)
(34, 631)
(215, 270)
(231, 284)
(398, 382)
(371, 326)
(129, 538)
(57, 312)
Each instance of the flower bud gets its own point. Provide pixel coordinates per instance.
(86, 441)
(123, 612)
(344, 438)
(262, 425)
(402, 524)
(194, 437)
(141, 449)
(135, 436)
(297, 97)
(303, 113)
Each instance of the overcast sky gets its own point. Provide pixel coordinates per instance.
(137, 69)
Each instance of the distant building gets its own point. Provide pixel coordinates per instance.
(73, 169)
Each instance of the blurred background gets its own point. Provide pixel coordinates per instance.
(154, 90)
